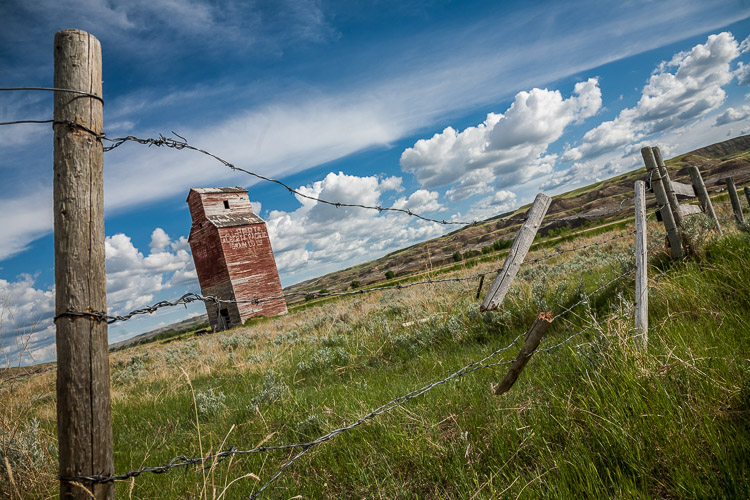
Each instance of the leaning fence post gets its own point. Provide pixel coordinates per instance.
(517, 253)
(641, 265)
(529, 346)
(84, 426)
(700, 190)
(668, 189)
(735, 199)
(661, 198)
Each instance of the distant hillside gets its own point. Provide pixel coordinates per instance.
(716, 162)
(165, 331)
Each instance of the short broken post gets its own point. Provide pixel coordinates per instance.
(668, 188)
(673, 237)
(517, 253)
(700, 190)
(641, 266)
(735, 199)
(533, 338)
(84, 424)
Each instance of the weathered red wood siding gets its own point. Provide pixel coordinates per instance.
(234, 262)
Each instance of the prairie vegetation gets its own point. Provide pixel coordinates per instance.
(593, 417)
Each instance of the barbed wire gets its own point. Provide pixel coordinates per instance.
(182, 461)
(196, 297)
(52, 89)
(478, 365)
(19, 122)
(182, 143)
(216, 458)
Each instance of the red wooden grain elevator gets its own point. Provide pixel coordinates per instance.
(233, 256)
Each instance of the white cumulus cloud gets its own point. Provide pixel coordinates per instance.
(318, 238)
(509, 147)
(680, 90)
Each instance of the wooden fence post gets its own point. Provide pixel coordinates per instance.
(747, 194)
(641, 265)
(661, 198)
(700, 190)
(668, 189)
(517, 253)
(735, 199)
(529, 346)
(84, 426)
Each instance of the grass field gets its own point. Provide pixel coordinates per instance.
(594, 417)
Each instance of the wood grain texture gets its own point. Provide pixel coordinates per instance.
(83, 392)
(517, 253)
(641, 266)
(735, 199)
(700, 190)
(681, 189)
(661, 198)
(686, 210)
(668, 188)
(533, 338)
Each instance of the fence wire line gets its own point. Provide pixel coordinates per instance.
(52, 89)
(216, 458)
(163, 141)
(182, 143)
(196, 297)
(463, 371)
(182, 461)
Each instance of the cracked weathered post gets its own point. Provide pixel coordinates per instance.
(533, 338)
(702, 193)
(673, 237)
(668, 188)
(641, 266)
(517, 253)
(735, 199)
(84, 426)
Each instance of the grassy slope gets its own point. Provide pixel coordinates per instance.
(716, 161)
(592, 418)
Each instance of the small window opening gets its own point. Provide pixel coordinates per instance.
(226, 204)
(225, 317)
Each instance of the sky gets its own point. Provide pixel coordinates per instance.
(457, 110)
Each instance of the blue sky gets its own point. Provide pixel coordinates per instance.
(457, 110)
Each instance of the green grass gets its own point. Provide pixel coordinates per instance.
(594, 418)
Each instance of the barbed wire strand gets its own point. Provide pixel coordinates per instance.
(19, 122)
(182, 143)
(52, 89)
(181, 461)
(467, 369)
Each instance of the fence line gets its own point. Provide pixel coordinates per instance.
(182, 461)
(182, 143)
(216, 458)
(191, 297)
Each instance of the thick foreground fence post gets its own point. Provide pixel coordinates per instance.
(517, 253)
(641, 266)
(661, 198)
(529, 346)
(700, 190)
(735, 199)
(84, 426)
